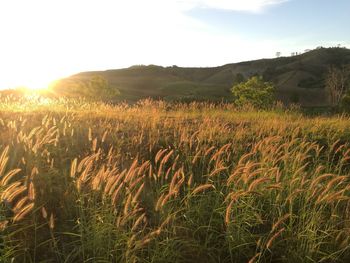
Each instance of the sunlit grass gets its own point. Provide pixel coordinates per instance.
(159, 182)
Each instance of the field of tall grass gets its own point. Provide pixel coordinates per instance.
(159, 182)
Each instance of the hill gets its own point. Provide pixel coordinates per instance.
(298, 78)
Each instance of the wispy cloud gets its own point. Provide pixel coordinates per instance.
(234, 5)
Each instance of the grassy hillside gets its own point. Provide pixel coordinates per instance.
(298, 78)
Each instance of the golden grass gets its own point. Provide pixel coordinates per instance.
(125, 182)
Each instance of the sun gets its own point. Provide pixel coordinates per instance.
(37, 84)
(29, 81)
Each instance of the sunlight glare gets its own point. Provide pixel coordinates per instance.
(29, 80)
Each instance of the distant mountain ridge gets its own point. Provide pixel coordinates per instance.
(298, 79)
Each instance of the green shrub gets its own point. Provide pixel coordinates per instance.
(254, 92)
(345, 102)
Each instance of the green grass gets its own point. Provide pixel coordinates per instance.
(160, 182)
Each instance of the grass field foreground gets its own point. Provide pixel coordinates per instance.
(159, 182)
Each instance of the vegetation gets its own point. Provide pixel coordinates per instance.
(94, 87)
(336, 83)
(254, 92)
(159, 182)
(298, 76)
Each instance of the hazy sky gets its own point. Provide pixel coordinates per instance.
(41, 40)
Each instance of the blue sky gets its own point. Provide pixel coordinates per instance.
(309, 22)
(42, 40)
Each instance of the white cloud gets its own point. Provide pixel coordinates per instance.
(46, 39)
(235, 5)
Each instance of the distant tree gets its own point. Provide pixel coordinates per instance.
(336, 83)
(278, 54)
(254, 92)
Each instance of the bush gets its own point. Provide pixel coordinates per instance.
(345, 102)
(254, 92)
(91, 88)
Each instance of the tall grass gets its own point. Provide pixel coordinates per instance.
(155, 182)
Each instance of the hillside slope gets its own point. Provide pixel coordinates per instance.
(298, 78)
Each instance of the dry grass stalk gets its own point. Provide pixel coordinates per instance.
(320, 178)
(335, 180)
(277, 186)
(336, 197)
(207, 152)
(19, 205)
(280, 221)
(130, 216)
(115, 181)
(159, 202)
(43, 212)
(256, 182)
(167, 173)
(134, 183)
(244, 158)
(138, 222)
(132, 170)
(235, 175)
(228, 212)
(127, 204)
(143, 168)
(3, 225)
(166, 221)
(52, 221)
(104, 136)
(217, 155)
(94, 145)
(116, 193)
(31, 192)
(173, 167)
(10, 189)
(269, 242)
(196, 156)
(253, 259)
(235, 195)
(190, 180)
(138, 193)
(202, 188)
(4, 181)
(159, 155)
(85, 174)
(23, 212)
(167, 157)
(160, 170)
(173, 182)
(247, 176)
(3, 160)
(217, 171)
(165, 199)
(90, 134)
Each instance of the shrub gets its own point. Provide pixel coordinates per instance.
(91, 88)
(345, 102)
(254, 92)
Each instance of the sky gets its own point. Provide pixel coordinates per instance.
(43, 40)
